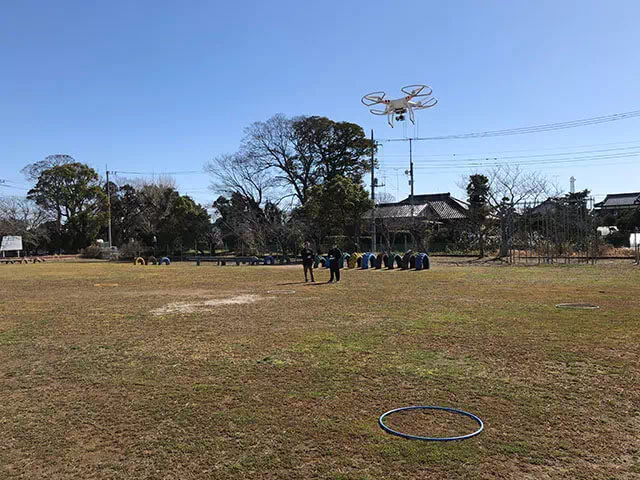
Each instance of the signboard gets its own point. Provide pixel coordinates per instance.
(10, 243)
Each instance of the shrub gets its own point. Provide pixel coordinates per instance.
(131, 250)
(92, 251)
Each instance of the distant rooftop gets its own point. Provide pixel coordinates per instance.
(432, 206)
(620, 200)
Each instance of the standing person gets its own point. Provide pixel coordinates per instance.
(335, 255)
(308, 256)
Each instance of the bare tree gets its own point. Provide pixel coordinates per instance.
(33, 170)
(384, 197)
(21, 214)
(274, 144)
(238, 173)
(509, 188)
(518, 185)
(159, 182)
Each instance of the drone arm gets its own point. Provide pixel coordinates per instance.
(417, 90)
(426, 104)
(373, 98)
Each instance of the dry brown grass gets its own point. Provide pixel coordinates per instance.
(94, 385)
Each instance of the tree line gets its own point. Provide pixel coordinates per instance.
(67, 208)
(291, 179)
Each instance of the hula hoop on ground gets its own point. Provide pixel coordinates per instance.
(139, 261)
(165, 261)
(431, 439)
(578, 306)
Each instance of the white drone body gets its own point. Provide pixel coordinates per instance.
(400, 106)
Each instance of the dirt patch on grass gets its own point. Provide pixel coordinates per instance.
(205, 305)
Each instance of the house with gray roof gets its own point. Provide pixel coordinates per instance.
(432, 207)
(615, 202)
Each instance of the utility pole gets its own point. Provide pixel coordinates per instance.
(411, 182)
(109, 205)
(411, 173)
(373, 195)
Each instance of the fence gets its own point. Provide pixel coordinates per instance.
(557, 230)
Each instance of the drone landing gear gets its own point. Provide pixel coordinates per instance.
(400, 116)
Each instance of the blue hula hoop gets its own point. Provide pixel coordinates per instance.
(430, 439)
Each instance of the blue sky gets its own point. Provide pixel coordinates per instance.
(164, 86)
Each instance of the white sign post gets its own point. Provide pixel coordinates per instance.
(11, 243)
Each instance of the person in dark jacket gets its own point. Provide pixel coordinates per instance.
(335, 255)
(308, 257)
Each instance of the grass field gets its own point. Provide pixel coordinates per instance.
(116, 371)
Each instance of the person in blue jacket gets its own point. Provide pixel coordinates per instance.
(334, 263)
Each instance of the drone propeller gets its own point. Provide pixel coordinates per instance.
(373, 98)
(417, 90)
(422, 104)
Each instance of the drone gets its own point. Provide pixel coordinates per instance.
(400, 106)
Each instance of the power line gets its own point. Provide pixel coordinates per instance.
(484, 154)
(526, 130)
(542, 157)
(2, 184)
(182, 172)
(549, 165)
(496, 161)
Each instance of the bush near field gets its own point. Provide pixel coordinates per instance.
(132, 250)
(92, 251)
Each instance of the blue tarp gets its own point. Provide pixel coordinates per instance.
(366, 260)
(423, 262)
